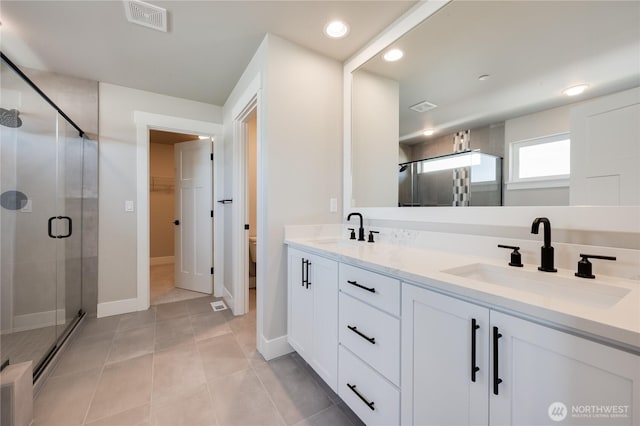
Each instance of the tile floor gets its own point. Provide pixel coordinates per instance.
(181, 364)
(163, 289)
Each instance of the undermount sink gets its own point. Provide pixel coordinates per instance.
(576, 291)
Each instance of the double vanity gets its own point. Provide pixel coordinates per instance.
(414, 336)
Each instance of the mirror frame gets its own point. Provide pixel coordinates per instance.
(597, 218)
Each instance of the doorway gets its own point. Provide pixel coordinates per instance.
(180, 225)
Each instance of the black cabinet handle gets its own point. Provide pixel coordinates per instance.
(496, 377)
(308, 264)
(70, 226)
(474, 367)
(355, 283)
(353, 389)
(371, 340)
(304, 261)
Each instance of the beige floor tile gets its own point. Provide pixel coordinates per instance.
(123, 385)
(173, 332)
(64, 400)
(332, 416)
(176, 372)
(132, 343)
(137, 319)
(296, 395)
(209, 325)
(201, 305)
(221, 356)
(138, 416)
(100, 325)
(193, 409)
(167, 311)
(82, 358)
(88, 339)
(240, 399)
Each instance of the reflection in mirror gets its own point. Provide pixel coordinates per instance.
(492, 78)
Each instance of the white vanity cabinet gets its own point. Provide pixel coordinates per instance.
(313, 312)
(369, 351)
(442, 338)
(521, 369)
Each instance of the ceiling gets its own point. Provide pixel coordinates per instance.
(169, 138)
(201, 57)
(532, 50)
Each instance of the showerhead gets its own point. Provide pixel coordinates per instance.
(10, 118)
(403, 167)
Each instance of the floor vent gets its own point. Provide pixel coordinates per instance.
(145, 14)
(423, 106)
(218, 306)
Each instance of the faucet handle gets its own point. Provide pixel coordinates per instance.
(371, 236)
(585, 267)
(516, 258)
(353, 233)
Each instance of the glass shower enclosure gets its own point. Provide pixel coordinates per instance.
(468, 178)
(42, 209)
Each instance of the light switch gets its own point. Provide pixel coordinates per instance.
(128, 206)
(333, 205)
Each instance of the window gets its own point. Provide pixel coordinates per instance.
(542, 159)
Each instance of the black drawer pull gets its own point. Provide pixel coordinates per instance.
(474, 367)
(353, 389)
(355, 283)
(371, 340)
(496, 377)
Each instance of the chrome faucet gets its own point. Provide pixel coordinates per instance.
(361, 229)
(546, 251)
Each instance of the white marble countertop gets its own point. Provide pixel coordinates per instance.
(614, 323)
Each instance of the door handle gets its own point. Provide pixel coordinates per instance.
(70, 226)
(308, 264)
(371, 340)
(304, 262)
(50, 226)
(474, 367)
(176, 222)
(496, 377)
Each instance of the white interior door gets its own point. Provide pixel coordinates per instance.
(193, 241)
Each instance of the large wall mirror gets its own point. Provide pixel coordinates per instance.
(502, 103)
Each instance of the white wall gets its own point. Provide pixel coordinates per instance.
(544, 123)
(300, 138)
(117, 178)
(374, 136)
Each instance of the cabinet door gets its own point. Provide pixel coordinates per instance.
(549, 376)
(437, 356)
(300, 310)
(324, 283)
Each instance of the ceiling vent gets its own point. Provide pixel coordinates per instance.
(146, 14)
(423, 106)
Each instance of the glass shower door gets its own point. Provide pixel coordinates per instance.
(28, 191)
(68, 224)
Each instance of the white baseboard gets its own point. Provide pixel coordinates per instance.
(164, 260)
(274, 348)
(37, 320)
(117, 307)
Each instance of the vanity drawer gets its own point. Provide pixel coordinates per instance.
(375, 289)
(372, 335)
(378, 402)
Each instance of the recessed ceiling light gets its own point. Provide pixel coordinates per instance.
(575, 90)
(393, 55)
(428, 132)
(484, 77)
(203, 137)
(336, 29)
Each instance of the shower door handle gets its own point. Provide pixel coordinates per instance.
(50, 226)
(70, 229)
